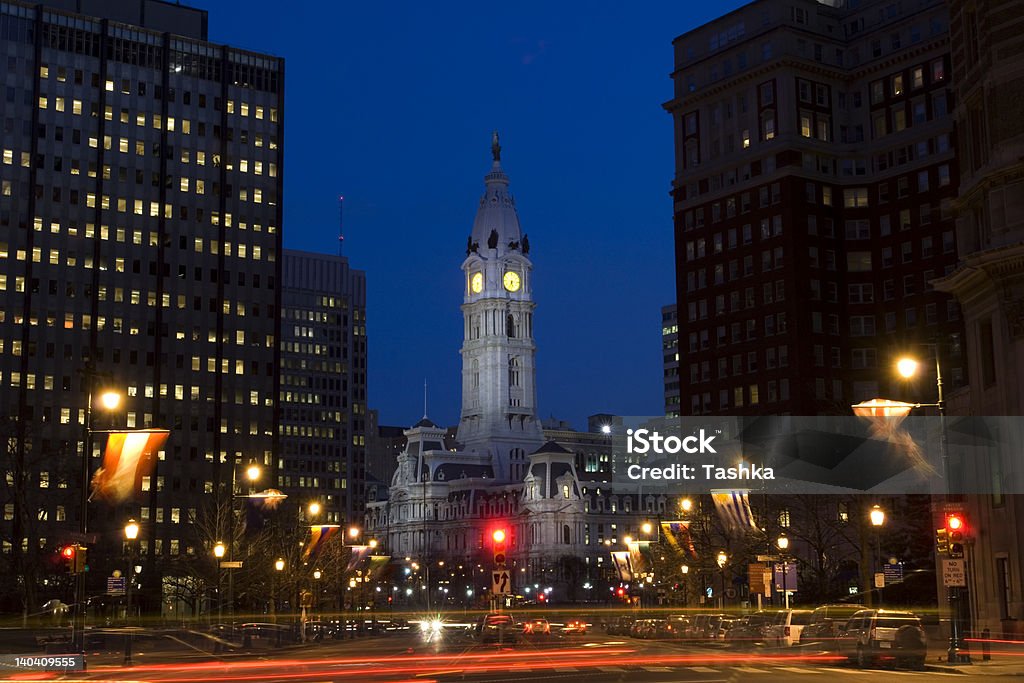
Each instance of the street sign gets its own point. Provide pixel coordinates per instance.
(954, 573)
(115, 585)
(501, 582)
(231, 564)
(790, 575)
(893, 572)
(759, 576)
(879, 580)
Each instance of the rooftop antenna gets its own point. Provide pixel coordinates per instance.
(424, 398)
(341, 225)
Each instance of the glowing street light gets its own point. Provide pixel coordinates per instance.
(877, 516)
(279, 565)
(907, 367)
(646, 527)
(686, 504)
(110, 400)
(782, 542)
(721, 559)
(219, 550)
(252, 473)
(314, 509)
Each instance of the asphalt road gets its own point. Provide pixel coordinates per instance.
(456, 656)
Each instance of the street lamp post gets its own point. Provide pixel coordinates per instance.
(278, 568)
(131, 532)
(783, 544)
(109, 401)
(877, 516)
(218, 552)
(685, 571)
(721, 560)
(907, 367)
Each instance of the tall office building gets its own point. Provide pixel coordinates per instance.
(140, 219)
(815, 167)
(988, 71)
(323, 385)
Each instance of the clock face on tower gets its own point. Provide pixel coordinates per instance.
(511, 281)
(476, 283)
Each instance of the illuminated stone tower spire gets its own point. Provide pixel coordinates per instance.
(499, 394)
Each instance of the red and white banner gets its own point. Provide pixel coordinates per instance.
(128, 457)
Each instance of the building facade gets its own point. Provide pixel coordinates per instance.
(323, 385)
(670, 358)
(815, 170)
(988, 71)
(140, 235)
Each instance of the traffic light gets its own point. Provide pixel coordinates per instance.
(68, 553)
(621, 592)
(955, 528)
(941, 541)
(499, 536)
(74, 557)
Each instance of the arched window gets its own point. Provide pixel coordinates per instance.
(566, 536)
(510, 325)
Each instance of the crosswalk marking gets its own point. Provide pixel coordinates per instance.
(750, 670)
(656, 669)
(611, 669)
(702, 669)
(569, 669)
(795, 670)
(855, 672)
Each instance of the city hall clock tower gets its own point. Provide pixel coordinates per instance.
(499, 393)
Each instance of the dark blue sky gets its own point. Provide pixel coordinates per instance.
(392, 105)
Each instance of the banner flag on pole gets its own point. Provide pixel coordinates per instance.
(128, 457)
(620, 558)
(677, 534)
(377, 565)
(359, 553)
(734, 509)
(637, 562)
(319, 535)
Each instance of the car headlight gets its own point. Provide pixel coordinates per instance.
(424, 625)
(436, 625)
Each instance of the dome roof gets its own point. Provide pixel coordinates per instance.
(496, 219)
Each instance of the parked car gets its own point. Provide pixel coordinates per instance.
(697, 626)
(537, 627)
(575, 626)
(658, 629)
(785, 630)
(713, 627)
(718, 625)
(620, 626)
(638, 628)
(826, 623)
(497, 628)
(875, 635)
(680, 626)
(750, 631)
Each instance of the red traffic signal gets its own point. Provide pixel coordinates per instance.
(67, 553)
(498, 536)
(956, 528)
(621, 592)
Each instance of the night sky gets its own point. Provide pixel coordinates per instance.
(392, 105)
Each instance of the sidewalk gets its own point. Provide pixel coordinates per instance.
(1003, 666)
